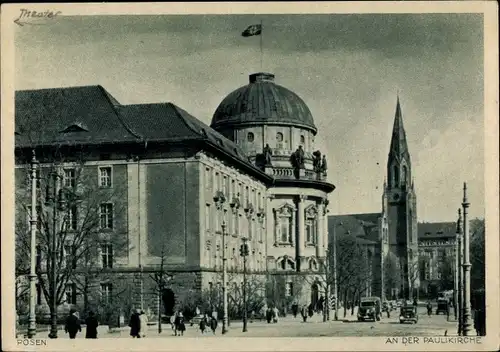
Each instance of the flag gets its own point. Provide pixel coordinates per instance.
(254, 29)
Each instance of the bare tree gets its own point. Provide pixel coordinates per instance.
(76, 214)
(160, 279)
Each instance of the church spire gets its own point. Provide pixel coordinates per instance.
(398, 141)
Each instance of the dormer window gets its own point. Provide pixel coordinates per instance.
(75, 127)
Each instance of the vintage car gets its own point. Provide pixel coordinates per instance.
(370, 309)
(442, 306)
(408, 314)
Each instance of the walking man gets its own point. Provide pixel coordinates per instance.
(72, 325)
(92, 324)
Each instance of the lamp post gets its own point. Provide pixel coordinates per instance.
(326, 309)
(455, 280)
(219, 200)
(460, 273)
(335, 285)
(33, 225)
(467, 324)
(55, 200)
(244, 253)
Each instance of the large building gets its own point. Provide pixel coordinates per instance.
(157, 188)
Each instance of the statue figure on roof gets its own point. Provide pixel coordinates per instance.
(317, 161)
(297, 159)
(323, 164)
(267, 155)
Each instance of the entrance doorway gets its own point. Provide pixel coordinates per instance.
(168, 298)
(314, 295)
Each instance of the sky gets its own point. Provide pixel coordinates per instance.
(348, 68)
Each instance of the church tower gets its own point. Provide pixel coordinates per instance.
(401, 203)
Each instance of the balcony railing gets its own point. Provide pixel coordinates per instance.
(289, 173)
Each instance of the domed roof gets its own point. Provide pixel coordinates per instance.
(263, 101)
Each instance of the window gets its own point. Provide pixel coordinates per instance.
(207, 217)
(404, 175)
(279, 137)
(70, 293)
(289, 289)
(286, 264)
(250, 137)
(72, 223)
(105, 176)
(107, 255)
(313, 265)
(70, 256)
(225, 186)
(69, 178)
(106, 215)
(311, 231)
(217, 182)
(285, 228)
(209, 180)
(302, 139)
(106, 292)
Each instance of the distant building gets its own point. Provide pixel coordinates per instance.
(162, 170)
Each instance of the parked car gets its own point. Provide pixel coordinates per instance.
(370, 308)
(408, 314)
(442, 306)
(196, 320)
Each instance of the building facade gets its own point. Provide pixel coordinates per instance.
(152, 177)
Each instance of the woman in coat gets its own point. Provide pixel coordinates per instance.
(213, 324)
(92, 324)
(135, 324)
(180, 325)
(144, 323)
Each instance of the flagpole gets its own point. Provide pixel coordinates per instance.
(261, 34)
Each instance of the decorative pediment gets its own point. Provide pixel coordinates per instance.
(311, 211)
(285, 210)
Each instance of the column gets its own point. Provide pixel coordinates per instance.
(325, 227)
(320, 245)
(301, 230)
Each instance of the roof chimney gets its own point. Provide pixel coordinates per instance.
(261, 77)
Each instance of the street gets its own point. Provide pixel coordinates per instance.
(315, 327)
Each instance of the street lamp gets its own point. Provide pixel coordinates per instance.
(467, 324)
(244, 253)
(460, 273)
(219, 200)
(55, 199)
(33, 225)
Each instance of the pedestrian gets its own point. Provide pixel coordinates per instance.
(311, 310)
(252, 316)
(180, 324)
(415, 303)
(135, 324)
(72, 325)
(172, 320)
(143, 326)
(213, 324)
(92, 324)
(429, 308)
(295, 309)
(203, 324)
(303, 312)
(276, 313)
(269, 315)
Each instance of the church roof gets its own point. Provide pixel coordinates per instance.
(363, 226)
(433, 230)
(262, 101)
(399, 146)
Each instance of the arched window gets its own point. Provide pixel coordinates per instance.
(313, 265)
(302, 139)
(284, 224)
(250, 137)
(396, 175)
(286, 263)
(404, 175)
